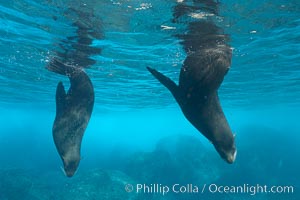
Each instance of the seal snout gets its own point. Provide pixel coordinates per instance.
(70, 167)
(69, 173)
(231, 157)
(227, 153)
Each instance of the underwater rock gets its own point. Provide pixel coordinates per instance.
(195, 161)
(176, 159)
(94, 184)
(14, 185)
(98, 184)
(152, 167)
(270, 157)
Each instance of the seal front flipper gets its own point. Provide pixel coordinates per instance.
(166, 81)
(60, 98)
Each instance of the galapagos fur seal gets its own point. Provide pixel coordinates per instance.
(200, 77)
(73, 112)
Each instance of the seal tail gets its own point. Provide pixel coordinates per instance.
(166, 81)
(59, 67)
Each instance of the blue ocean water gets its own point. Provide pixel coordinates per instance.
(137, 133)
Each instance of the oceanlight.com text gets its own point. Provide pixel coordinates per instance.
(250, 189)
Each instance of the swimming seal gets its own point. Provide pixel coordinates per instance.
(73, 112)
(200, 77)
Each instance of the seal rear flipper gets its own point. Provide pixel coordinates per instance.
(59, 67)
(60, 98)
(166, 81)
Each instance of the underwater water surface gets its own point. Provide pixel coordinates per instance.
(137, 133)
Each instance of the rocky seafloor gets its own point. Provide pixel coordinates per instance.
(181, 160)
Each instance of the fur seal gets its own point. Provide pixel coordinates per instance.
(200, 77)
(73, 112)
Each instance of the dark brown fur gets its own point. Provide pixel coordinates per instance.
(200, 77)
(73, 112)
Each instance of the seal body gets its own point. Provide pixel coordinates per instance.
(73, 112)
(200, 77)
(207, 62)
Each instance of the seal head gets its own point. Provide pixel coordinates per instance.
(70, 164)
(227, 150)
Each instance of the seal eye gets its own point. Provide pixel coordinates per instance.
(71, 165)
